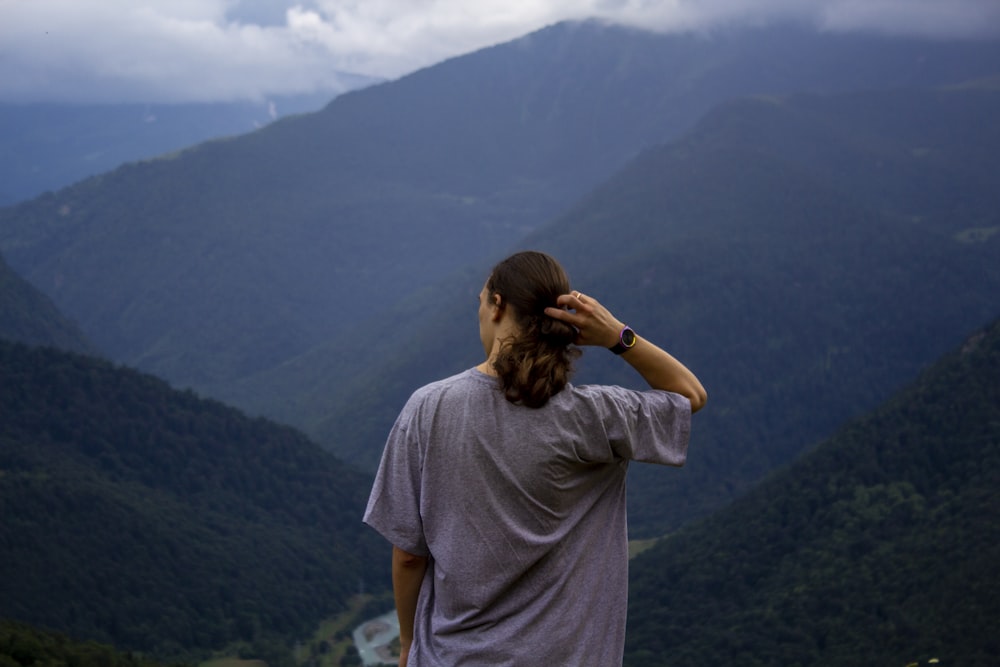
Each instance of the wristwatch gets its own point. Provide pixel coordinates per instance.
(626, 341)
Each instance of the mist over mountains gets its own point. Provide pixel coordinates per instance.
(807, 220)
(48, 146)
(238, 255)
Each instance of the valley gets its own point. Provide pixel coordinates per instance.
(201, 356)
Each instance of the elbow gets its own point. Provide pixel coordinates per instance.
(698, 398)
(406, 560)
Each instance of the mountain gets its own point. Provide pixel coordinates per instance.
(805, 255)
(28, 316)
(878, 547)
(236, 256)
(48, 146)
(151, 519)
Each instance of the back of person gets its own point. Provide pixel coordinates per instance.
(515, 515)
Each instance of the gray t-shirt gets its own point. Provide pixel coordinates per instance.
(522, 512)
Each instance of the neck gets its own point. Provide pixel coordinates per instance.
(506, 331)
(487, 366)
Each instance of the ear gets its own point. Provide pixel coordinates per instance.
(498, 308)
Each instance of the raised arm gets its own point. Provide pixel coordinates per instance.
(598, 327)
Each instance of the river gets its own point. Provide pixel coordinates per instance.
(372, 639)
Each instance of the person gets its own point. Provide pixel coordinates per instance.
(502, 488)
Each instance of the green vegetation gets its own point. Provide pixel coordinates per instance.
(28, 316)
(157, 521)
(636, 547)
(332, 645)
(877, 548)
(25, 646)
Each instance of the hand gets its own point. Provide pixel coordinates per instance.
(595, 323)
(597, 326)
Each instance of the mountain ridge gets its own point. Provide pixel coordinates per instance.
(28, 316)
(237, 255)
(46, 146)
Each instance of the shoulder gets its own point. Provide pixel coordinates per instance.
(464, 380)
(456, 385)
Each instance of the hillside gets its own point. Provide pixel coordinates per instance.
(879, 547)
(28, 316)
(236, 256)
(805, 255)
(23, 645)
(153, 520)
(48, 146)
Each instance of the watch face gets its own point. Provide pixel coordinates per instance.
(628, 338)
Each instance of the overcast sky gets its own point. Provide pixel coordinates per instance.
(207, 50)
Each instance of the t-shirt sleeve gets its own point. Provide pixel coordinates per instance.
(651, 426)
(394, 504)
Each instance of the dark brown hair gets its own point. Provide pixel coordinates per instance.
(538, 363)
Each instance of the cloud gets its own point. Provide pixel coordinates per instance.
(122, 50)
(931, 18)
(928, 18)
(204, 50)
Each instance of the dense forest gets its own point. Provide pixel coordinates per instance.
(879, 547)
(158, 521)
(24, 646)
(28, 316)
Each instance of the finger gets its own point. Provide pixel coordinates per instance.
(568, 300)
(559, 314)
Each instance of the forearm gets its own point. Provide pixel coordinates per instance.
(407, 575)
(662, 371)
(597, 326)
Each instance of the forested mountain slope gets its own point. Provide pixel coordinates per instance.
(805, 255)
(234, 257)
(880, 547)
(137, 515)
(28, 316)
(22, 645)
